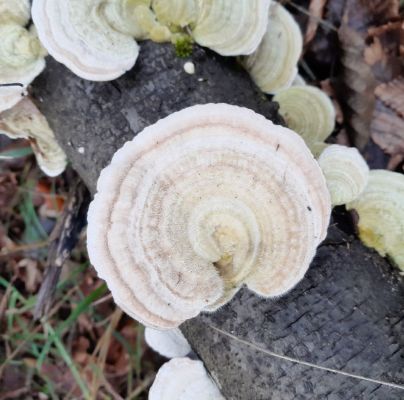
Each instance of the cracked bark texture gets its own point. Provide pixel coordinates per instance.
(347, 314)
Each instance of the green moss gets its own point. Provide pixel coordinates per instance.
(183, 47)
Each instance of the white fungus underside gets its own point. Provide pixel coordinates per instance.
(205, 171)
(183, 379)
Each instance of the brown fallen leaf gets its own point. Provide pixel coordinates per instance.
(356, 94)
(392, 95)
(388, 132)
(329, 89)
(316, 11)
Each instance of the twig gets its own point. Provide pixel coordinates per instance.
(65, 236)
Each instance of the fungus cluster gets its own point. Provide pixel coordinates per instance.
(273, 65)
(21, 54)
(204, 201)
(25, 121)
(380, 209)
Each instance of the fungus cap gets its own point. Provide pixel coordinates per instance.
(21, 61)
(309, 112)
(273, 66)
(176, 12)
(17, 11)
(203, 201)
(25, 121)
(381, 214)
(77, 34)
(184, 379)
(231, 27)
(345, 171)
(170, 343)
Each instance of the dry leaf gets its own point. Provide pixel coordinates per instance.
(328, 89)
(357, 92)
(316, 11)
(388, 133)
(392, 95)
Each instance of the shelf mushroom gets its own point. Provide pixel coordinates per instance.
(175, 13)
(381, 214)
(273, 66)
(77, 34)
(231, 27)
(184, 379)
(309, 112)
(17, 11)
(205, 200)
(345, 171)
(25, 121)
(21, 61)
(169, 343)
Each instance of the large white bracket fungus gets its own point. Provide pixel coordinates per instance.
(169, 343)
(21, 61)
(231, 27)
(381, 214)
(25, 121)
(273, 66)
(345, 171)
(201, 202)
(77, 34)
(309, 112)
(184, 379)
(17, 11)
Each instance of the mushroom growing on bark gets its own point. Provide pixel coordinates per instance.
(381, 214)
(17, 11)
(21, 61)
(231, 27)
(205, 200)
(345, 171)
(309, 112)
(78, 34)
(184, 379)
(169, 343)
(273, 66)
(25, 121)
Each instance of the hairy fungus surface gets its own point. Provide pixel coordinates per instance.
(169, 343)
(176, 12)
(184, 379)
(17, 11)
(345, 171)
(309, 112)
(273, 66)
(203, 201)
(78, 34)
(231, 27)
(381, 214)
(25, 121)
(21, 61)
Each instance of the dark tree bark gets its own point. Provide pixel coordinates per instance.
(346, 315)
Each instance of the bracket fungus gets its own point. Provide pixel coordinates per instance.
(77, 34)
(176, 12)
(231, 27)
(345, 171)
(308, 111)
(273, 66)
(17, 11)
(169, 343)
(205, 200)
(381, 214)
(25, 121)
(21, 61)
(184, 379)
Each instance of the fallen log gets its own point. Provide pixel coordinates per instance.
(337, 335)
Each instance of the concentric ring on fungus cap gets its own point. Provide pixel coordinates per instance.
(203, 201)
